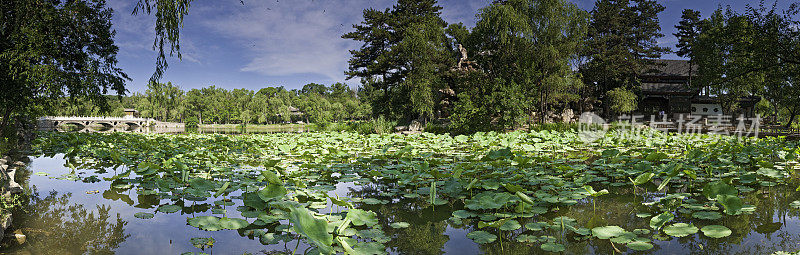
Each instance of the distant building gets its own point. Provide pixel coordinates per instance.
(294, 111)
(666, 87)
(131, 113)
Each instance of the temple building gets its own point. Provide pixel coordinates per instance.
(666, 87)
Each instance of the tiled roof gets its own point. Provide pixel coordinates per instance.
(669, 67)
(665, 87)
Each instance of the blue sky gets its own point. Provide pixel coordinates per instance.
(291, 42)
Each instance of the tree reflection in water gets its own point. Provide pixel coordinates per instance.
(53, 225)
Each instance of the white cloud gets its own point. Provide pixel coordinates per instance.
(302, 37)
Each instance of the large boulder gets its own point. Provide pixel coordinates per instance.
(567, 115)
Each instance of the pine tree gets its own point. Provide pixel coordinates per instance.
(688, 30)
(402, 57)
(622, 41)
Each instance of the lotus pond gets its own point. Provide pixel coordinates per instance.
(323, 193)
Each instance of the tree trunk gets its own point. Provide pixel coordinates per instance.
(6, 119)
(791, 119)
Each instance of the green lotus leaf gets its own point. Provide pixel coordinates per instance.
(639, 246)
(659, 220)
(510, 225)
(169, 208)
(488, 200)
(254, 201)
(536, 226)
(233, 223)
(203, 242)
(143, 215)
(481, 237)
(716, 231)
(361, 217)
(313, 229)
(680, 229)
(656, 156)
(400, 224)
(369, 248)
(608, 232)
(207, 223)
(769, 172)
(732, 204)
(202, 184)
(552, 247)
(643, 178)
(713, 189)
(526, 239)
(271, 192)
(464, 214)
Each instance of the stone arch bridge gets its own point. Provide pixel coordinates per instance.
(83, 123)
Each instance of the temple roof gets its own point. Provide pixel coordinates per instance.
(669, 67)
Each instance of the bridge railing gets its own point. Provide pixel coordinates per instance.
(89, 118)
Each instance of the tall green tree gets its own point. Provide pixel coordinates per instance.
(164, 99)
(525, 47)
(394, 41)
(621, 43)
(688, 30)
(52, 49)
(754, 53)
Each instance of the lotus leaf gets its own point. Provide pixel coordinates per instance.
(608, 232)
(680, 229)
(716, 231)
(481, 237)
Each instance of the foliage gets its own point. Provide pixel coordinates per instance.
(402, 58)
(621, 43)
(53, 49)
(737, 56)
(621, 100)
(503, 179)
(167, 102)
(525, 47)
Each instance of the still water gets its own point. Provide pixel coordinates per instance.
(66, 216)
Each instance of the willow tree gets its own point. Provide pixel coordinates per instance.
(53, 49)
(525, 46)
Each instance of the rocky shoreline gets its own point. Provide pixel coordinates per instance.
(10, 188)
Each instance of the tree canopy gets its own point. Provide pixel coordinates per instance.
(53, 49)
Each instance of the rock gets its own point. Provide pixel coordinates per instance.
(3, 161)
(19, 237)
(415, 126)
(5, 222)
(400, 128)
(567, 116)
(19, 164)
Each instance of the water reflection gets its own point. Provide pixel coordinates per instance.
(67, 220)
(55, 225)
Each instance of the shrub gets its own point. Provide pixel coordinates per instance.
(191, 122)
(621, 100)
(437, 128)
(383, 126)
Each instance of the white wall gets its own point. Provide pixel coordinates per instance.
(706, 109)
